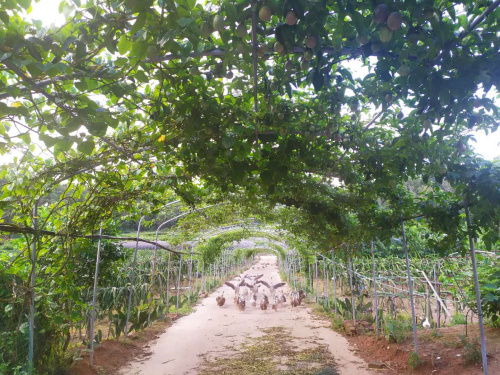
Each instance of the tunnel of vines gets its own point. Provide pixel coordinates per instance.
(153, 149)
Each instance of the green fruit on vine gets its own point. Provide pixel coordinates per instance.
(362, 39)
(265, 14)
(229, 75)
(376, 47)
(311, 42)
(401, 116)
(308, 55)
(337, 138)
(278, 47)
(291, 18)
(281, 116)
(428, 13)
(206, 29)
(262, 50)
(289, 65)
(388, 98)
(442, 169)
(393, 183)
(427, 124)
(461, 147)
(385, 35)
(241, 47)
(304, 64)
(354, 117)
(404, 70)
(241, 30)
(218, 24)
(412, 38)
(194, 71)
(394, 21)
(152, 52)
(380, 13)
(387, 143)
(353, 107)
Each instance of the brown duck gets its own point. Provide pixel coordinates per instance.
(221, 300)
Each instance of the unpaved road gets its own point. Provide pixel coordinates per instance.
(213, 332)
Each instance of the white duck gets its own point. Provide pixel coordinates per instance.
(426, 324)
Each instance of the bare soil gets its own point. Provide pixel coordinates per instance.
(440, 349)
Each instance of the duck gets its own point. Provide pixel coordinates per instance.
(236, 287)
(426, 324)
(245, 292)
(221, 300)
(272, 287)
(295, 299)
(302, 296)
(253, 300)
(275, 304)
(241, 303)
(264, 303)
(282, 298)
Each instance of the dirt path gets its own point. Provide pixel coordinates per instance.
(213, 337)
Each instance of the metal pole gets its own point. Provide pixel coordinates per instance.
(316, 267)
(374, 287)
(438, 323)
(168, 281)
(92, 317)
(326, 284)
(476, 287)
(132, 280)
(410, 286)
(178, 285)
(334, 283)
(190, 274)
(310, 277)
(153, 276)
(352, 294)
(32, 285)
(197, 272)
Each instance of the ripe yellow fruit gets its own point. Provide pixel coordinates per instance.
(311, 42)
(385, 35)
(291, 18)
(219, 24)
(241, 30)
(265, 14)
(394, 21)
(381, 13)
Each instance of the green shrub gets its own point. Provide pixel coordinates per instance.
(397, 330)
(458, 318)
(471, 349)
(415, 361)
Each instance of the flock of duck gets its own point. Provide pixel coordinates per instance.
(247, 287)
